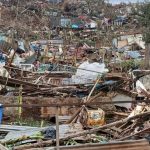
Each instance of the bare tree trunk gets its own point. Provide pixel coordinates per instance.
(147, 57)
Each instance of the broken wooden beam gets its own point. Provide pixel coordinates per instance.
(135, 134)
(83, 133)
(123, 145)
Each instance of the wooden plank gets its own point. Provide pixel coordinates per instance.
(9, 128)
(3, 147)
(15, 82)
(127, 145)
(85, 132)
(57, 129)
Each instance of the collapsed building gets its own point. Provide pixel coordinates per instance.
(90, 91)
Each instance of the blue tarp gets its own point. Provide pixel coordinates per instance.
(133, 54)
(55, 1)
(2, 58)
(74, 26)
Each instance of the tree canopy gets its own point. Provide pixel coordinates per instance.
(143, 13)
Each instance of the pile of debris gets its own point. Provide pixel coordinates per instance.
(70, 71)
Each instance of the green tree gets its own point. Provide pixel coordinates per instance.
(144, 18)
(143, 14)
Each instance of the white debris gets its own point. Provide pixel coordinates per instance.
(4, 72)
(140, 87)
(88, 72)
(138, 110)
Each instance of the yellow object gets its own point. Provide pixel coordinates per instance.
(42, 123)
(20, 102)
(96, 117)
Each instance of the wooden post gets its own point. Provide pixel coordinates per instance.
(57, 129)
(0, 12)
(17, 10)
(147, 56)
(3, 147)
(87, 100)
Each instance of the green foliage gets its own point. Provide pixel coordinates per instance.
(35, 37)
(18, 141)
(99, 139)
(29, 122)
(143, 14)
(46, 35)
(147, 36)
(131, 64)
(88, 42)
(71, 142)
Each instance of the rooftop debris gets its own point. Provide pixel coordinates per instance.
(72, 73)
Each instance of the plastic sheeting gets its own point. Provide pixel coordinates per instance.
(90, 70)
(21, 45)
(2, 59)
(133, 54)
(87, 73)
(17, 60)
(140, 87)
(4, 72)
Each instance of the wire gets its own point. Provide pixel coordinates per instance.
(79, 68)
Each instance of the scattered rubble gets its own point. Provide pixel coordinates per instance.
(78, 69)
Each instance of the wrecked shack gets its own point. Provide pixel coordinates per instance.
(72, 77)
